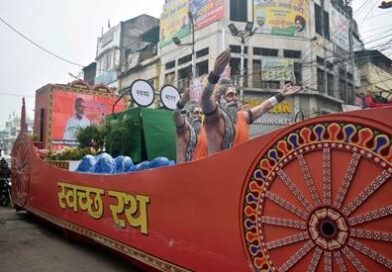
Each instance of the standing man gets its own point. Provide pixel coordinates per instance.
(191, 139)
(227, 125)
(76, 121)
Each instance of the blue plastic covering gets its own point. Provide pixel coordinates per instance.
(105, 164)
(87, 164)
(128, 164)
(119, 161)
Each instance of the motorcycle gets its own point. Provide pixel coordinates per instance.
(5, 183)
(5, 191)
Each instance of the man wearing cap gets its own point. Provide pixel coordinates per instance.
(227, 125)
(191, 142)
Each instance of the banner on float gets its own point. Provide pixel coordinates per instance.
(281, 17)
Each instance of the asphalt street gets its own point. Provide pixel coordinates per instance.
(27, 245)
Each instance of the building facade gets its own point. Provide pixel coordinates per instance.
(376, 74)
(308, 42)
(117, 47)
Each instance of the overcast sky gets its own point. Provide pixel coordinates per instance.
(70, 29)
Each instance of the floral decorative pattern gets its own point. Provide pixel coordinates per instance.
(20, 170)
(297, 202)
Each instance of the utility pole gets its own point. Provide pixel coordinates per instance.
(244, 36)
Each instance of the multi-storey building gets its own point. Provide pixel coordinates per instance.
(305, 41)
(376, 74)
(118, 49)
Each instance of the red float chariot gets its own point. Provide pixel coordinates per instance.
(313, 196)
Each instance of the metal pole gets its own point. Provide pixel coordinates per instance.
(193, 44)
(242, 64)
(242, 68)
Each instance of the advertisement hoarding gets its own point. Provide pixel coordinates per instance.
(73, 110)
(206, 12)
(175, 21)
(282, 17)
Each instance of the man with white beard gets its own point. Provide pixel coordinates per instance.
(191, 143)
(227, 125)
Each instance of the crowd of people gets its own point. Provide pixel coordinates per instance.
(225, 123)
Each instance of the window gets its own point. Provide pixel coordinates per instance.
(350, 93)
(292, 54)
(342, 89)
(330, 88)
(321, 21)
(41, 124)
(239, 10)
(265, 52)
(329, 65)
(320, 61)
(170, 65)
(235, 64)
(317, 16)
(342, 72)
(349, 76)
(256, 73)
(320, 80)
(202, 52)
(202, 68)
(326, 25)
(298, 72)
(237, 49)
(185, 59)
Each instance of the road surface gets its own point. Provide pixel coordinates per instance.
(28, 246)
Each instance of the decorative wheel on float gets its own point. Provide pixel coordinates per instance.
(319, 199)
(20, 170)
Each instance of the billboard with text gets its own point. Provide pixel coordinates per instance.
(206, 12)
(175, 21)
(282, 17)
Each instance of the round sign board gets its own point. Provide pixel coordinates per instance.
(142, 93)
(169, 96)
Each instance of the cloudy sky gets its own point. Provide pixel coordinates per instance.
(69, 28)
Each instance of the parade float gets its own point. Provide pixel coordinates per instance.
(312, 196)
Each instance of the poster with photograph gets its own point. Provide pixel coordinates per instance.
(281, 17)
(72, 111)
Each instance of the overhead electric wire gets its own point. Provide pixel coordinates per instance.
(39, 46)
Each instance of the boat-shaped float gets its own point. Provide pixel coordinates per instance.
(313, 196)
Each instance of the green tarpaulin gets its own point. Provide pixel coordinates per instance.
(142, 134)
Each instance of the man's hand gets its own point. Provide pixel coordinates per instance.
(221, 62)
(288, 89)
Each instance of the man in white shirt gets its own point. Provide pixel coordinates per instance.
(76, 121)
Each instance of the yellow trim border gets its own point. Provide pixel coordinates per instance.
(134, 253)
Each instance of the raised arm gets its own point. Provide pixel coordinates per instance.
(208, 102)
(268, 104)
(179, 119)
